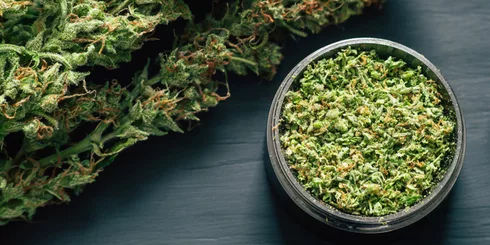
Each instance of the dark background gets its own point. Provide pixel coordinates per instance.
(209, 186)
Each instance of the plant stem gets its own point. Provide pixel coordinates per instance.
(114, 133)
(243, 60)
(153, 80)
(121, 6)
(19, 154)
(82, 146)
(293, 30)
(87, 143)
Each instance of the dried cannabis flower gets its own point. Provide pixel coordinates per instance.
(47, 48)
(366, 135)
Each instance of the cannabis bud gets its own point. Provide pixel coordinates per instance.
(367, 135)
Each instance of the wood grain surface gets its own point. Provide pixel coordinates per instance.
(208, 186)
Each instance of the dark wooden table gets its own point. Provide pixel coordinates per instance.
(208, 186)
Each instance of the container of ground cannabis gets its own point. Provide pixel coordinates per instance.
(365, 135)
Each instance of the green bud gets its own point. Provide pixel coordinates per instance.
(30, 129)
(373, 148)
(49, 103)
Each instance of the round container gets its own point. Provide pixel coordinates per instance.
(284, 181)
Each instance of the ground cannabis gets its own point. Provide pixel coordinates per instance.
(367, 135)
(47, 96)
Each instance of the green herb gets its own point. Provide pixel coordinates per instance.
(367, 135)
(71, 125)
